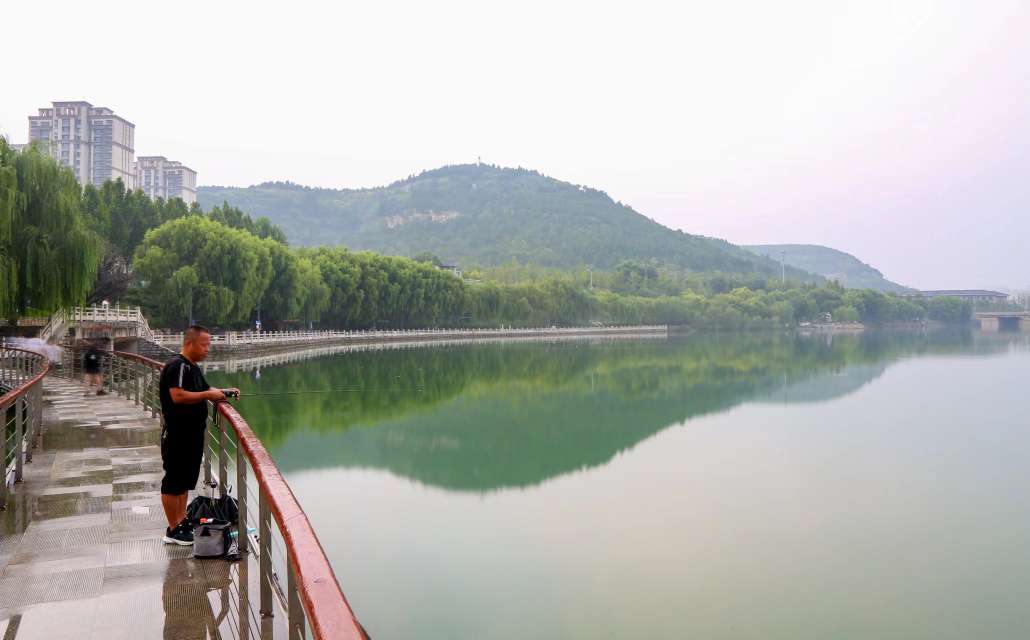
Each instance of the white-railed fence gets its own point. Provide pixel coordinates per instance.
(130, 319)
(233, 339)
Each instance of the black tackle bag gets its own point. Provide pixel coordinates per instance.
(211, 539)
(224, 508)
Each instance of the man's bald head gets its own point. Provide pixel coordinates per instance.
(196, 342)
(194, 332)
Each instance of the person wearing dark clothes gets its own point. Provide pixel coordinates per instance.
(184, 396)
(91, 367)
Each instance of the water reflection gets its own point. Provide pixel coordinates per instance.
(486, 417)
(188, 610)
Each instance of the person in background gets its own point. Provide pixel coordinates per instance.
(184, 396)
(92, 361)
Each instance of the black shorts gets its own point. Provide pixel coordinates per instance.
(182, 451)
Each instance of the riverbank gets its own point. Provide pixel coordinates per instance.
(265, 341)
(831, 327)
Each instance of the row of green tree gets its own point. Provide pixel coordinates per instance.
(61, 245)
(196, 267)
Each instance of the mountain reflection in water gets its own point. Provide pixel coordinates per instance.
(489, 416)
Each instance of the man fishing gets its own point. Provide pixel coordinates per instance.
(184, 397)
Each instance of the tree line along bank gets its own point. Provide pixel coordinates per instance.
(62, 244)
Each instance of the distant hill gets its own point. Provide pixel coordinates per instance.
(485, 215)
(829, 263)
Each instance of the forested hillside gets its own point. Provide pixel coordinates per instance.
(829, 263)
(485, 215)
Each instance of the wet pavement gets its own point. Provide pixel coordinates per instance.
(81, 554)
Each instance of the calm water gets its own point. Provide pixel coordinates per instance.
(707, 487)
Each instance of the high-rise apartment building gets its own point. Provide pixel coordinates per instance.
(160, 177)
(97, 144)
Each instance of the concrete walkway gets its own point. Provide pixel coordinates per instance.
(80, 541)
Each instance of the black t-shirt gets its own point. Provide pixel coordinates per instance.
(180, 372)
(92, 359)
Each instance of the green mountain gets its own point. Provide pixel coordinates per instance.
(829, 263)
(485, 215)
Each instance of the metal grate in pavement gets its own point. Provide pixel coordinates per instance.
(42, 541)
(143, 551)
(136, 486)
(18, 591)
(64, 507)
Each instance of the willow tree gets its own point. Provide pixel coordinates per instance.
(195, 266)
(48, 254)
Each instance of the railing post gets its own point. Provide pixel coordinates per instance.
(19, 432)
(3, 457)
(152, 392)
(295, 612)
(208, 438)
(37, 431)
(265, 551)
(241, 492)
(244, 596)
(223, 463)
(35, 409)
(137, 380)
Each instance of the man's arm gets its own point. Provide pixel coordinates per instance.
(181, 396)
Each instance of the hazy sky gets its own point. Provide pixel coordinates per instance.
(897, 131)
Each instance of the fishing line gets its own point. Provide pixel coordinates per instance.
(342, 389)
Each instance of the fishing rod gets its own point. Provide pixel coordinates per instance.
(337, 390)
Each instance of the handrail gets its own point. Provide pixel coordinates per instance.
(26, 369)
(325, 606)
(27, 385)
(329, 613)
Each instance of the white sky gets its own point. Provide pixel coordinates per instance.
(897, 131)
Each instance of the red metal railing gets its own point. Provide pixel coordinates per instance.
(21, 410)
(312, 593)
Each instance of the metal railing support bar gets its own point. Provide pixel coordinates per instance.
(19, 432)
(244, 598)
(35, 409)
(295, 612)
(243, 539)
(209, 438)
(265, 553)
(3, 459)
(223, 462)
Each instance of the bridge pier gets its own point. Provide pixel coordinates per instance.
(991, 324)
